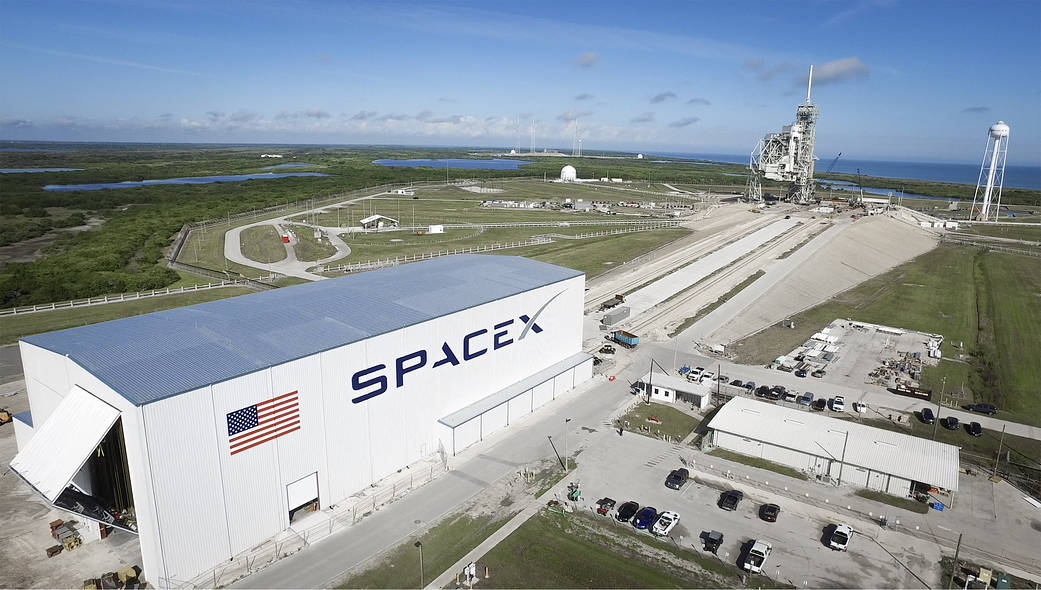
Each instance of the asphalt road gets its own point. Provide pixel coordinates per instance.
(10, 363)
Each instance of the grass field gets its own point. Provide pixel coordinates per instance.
(674, 423)
(308, 248)
(1022, 231)
(904, 503)
(598, 255)
(205, 247)
(262, 244)
(985, 301)
(575, 551)
(757, 462)
(1023, 450)
(14, 327)
(443, 545)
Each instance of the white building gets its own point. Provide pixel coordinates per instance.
(377, 222)
(568, 174)
(219, 420)
(834, 450)
(669, 389)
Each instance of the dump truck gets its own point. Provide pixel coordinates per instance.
(612, 302)
(626, 339)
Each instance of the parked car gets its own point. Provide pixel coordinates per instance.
(737, 383)
(761, 391)
(627, 511)
(950, 423)
(927, 416)
(665, 523)
(755, 561)
(840, 537)
(604, 505)
(723, 379)
(696, 373)
(645, 517)
(818, 373)
(821, 404)
(800, 373)
(676, 478)
(838, 404)
(708, 376)
(790, 396)
(860, 407)
(988, 409)
(749, 385)
(784, 368)
(806, 398)
(730, 500)
(975, 429)
(769, 512)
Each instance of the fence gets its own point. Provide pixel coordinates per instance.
(89, 301)
(988, 245)
(533, 241)
(336, 518)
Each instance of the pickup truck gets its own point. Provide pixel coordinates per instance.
(756, 558)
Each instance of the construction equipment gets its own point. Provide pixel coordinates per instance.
(833, 162)
(5, 416)
(612, 302)
(626, 339)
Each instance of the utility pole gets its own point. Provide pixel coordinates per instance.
(566, 420)
(943, 386)
(842, 462)
(954, 565)
(422, 583)
(997, 457)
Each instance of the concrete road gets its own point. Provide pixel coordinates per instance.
(326, 563)
(10, 363)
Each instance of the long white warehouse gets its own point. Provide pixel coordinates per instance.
(838, 450)
(204, 428)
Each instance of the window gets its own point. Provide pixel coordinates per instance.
(656, 391)
(666, 394)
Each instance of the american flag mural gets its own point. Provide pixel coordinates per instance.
(263, 422)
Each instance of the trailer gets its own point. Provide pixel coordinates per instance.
(916, 392)
(626, 339)
(614, 316)
(612, 302)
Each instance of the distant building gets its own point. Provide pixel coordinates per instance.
(639, 156)
(403, 191)
(378, 221)
(270, 155)
(668, 389)
(568, 174)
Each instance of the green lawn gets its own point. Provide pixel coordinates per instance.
(674, 423)
(443, 545)
(575, 551)
(984, 303)
(758, 462)
(983, 448)
(14, 327)
(598, 255)
(205, 248)
(308, 248)
(262, 244)
(903, 503)
(1023, 231)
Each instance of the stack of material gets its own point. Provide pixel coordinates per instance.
(67, 536)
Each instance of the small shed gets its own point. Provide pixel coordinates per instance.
(378, 221)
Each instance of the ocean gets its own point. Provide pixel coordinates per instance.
(1015, 176)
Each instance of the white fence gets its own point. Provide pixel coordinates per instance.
(103, 299)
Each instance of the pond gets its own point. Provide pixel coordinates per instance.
(187, 180)
(30, 170)
(464, 163)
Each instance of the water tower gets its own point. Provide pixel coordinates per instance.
(997, 149)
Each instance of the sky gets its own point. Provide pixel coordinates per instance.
(910, 80)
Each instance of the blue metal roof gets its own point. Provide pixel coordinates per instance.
(149, 357)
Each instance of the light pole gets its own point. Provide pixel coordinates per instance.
(566, 420)
(936, 419)
(422, 584)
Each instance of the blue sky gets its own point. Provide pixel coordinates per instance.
(911, 80)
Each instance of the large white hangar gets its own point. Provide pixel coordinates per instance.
(840, 450)
(225, 417)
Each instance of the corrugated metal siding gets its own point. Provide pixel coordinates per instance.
(520, 406)
(872, 448)
(61, 445)
(302, 452)
(184, 448)
(493, 420)
(542, 394)
(563, 382)
(253, 491)
(467, 434)
(146, 358)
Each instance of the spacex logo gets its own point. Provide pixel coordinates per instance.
(374, 380)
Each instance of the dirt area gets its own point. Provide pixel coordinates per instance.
(32, 249)
(26, 535)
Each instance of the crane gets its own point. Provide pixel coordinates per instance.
(832, 165)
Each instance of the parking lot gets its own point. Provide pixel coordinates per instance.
(635, 468)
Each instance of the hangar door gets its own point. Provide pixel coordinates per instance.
(303, 494)
(62, 444)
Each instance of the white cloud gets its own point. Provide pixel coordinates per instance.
(644, 118)
(838, 70)
(685, 122)
(663, 96)
(587, 59)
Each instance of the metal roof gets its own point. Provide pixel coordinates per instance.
(909, 457)
(153, 356)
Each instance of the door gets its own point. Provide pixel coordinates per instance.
(303, 493)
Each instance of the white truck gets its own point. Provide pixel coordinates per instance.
(755, 561)
(840, 537)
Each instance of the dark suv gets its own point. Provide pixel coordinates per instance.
(677, 478)
(627, 511)
(988, 409)
(927, 416)
(730, 500)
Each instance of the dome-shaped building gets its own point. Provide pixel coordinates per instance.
(568, 174)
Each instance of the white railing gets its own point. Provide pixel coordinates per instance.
(103, 299)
